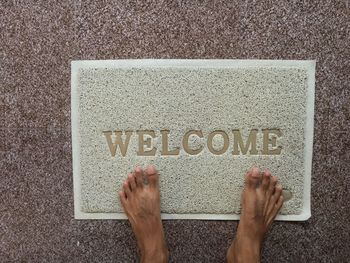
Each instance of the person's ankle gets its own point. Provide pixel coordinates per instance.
(158, 255)
(154, 248)
(246, 249)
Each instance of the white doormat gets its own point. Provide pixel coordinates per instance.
(203, 123)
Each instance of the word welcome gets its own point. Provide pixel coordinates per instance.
(240, 146)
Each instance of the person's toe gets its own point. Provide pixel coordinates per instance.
(266, 180)
(277, 193)
(126, 189)
(139, 176)
(274, 199)
(252, 178)
(152, 175)
(122, 197)
(279, 203)
(131, 181)
(277, 207)
(269, 192)
(272, 186)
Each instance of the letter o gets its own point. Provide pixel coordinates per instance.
(210, 142)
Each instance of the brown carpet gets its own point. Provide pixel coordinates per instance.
(38, 39)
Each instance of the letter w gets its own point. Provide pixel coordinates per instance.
(118, 141)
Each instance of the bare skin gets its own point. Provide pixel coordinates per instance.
(261, 201)
(141, 203)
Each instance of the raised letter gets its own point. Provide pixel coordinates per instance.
(267, 141)
(165, 148)
(210, 142)
(185, 142)
(251, 143)
(118, 141)
(147, 142)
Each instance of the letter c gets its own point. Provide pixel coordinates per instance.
(185, 142)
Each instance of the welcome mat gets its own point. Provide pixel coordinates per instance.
(202, 123)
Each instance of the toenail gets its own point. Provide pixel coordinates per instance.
(256, 174)
(151, 169)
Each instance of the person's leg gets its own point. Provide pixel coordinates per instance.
(141, 203)
(261, 201)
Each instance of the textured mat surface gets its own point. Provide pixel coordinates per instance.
(203, 123)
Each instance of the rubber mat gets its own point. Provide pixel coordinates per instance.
(202, 123)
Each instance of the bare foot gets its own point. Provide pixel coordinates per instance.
(141, 204)
(261, 201)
